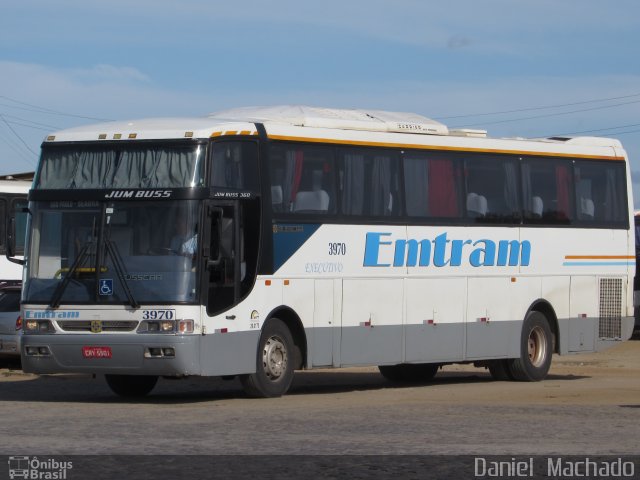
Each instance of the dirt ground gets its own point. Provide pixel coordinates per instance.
(589, 404)
(611, 377)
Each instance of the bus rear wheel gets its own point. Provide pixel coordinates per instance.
(499, 370)
(409, 372)
(536, 349)
(274, 362)
(131, 386)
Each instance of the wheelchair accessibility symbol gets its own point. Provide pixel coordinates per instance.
(106, 286)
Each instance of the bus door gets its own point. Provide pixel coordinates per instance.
(232, 223)
(230, 251)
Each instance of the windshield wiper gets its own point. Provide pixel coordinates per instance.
(112, 249)
(82, 254)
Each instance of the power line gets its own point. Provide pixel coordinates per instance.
(615, 134)
(547, 115)
(29, 123)
(16, 134)
(596, 130)
(47, 111)
(16, 148)
(528, 109)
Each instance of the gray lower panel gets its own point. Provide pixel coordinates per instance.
(578, 335)
(582, 334)
(443, 342)
(229, 353)
(235, 353)
(366, 345)
(493, 340)
(127, 354)
(450, 342)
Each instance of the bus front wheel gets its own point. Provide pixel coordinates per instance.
(536, 349)
(131, 385)
(274, 362)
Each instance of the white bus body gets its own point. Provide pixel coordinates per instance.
(325, 238)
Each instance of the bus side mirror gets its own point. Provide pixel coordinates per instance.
(10, 241)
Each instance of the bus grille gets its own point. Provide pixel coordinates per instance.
(610, 324)
(107, 326)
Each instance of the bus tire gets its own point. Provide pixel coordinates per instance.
(536, 349)
(409, 372)
(274, 362)
(499, 370)
(131, 386)
(393, 373)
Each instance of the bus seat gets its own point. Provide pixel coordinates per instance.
(537, 207)
(476, 205)
(315, 201)
(587, 208)
(276, 197)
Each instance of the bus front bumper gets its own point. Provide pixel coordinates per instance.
(136, 354)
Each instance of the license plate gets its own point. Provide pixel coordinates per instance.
(96, 352)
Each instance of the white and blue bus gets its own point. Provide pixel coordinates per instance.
(258, 241)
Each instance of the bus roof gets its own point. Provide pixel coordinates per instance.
(14, 186)
(357, 127)
(366, 120)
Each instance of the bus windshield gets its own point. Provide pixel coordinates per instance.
(113, 252)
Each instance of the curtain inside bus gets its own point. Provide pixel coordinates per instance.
(130, 167)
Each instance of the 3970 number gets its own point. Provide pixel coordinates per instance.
(336, 248)
(158, 314)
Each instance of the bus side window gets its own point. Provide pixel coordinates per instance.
(493, 193)
(548, 191)
(370, 182)
(3, 224)
(432, 186)
(302, 179)
(600, 188)
(235, 165)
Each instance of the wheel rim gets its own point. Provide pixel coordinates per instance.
(274, 357)
(537, 346)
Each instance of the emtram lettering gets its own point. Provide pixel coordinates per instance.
(440, 252)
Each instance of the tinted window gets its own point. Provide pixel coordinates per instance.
(10, 301)
(432, 186)
(19, 206)
(124, 165)
(3, 218)
(601, 192)
(369, 182)
(235, 165)
(302, 179)
(548, 191)
(492, 190)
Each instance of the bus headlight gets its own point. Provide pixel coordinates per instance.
(157, 326)
(38, 326)
(166, 326)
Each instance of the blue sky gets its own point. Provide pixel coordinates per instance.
(68, 62)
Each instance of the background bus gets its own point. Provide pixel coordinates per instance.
(255, 242)
(13, 199)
